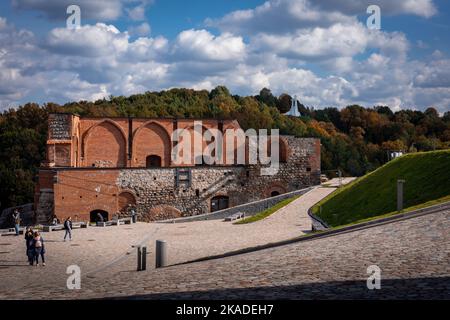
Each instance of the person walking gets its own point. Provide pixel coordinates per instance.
(16, 218)
(133, 214)
(68, 228)
(29, 237)
(39, 248)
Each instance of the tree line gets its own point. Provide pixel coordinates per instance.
(354, 139)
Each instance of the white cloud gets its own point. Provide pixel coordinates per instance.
(286, 16)
(137, 13)
(434, 75)
(141, 30)
(88, 41)
(335, 41)
(204, 46)
(277, 16)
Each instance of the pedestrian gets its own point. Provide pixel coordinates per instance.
(16, 218)
(100, 217)
(133, 214)
(29, 236)
(68, 228)
(39, 248)
(55, 221)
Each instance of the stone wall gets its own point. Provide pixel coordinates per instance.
(241, 184)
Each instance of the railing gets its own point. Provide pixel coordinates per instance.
(317, 223)
(250, 208)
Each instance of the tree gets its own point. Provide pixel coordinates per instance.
(266, 96)
(284, 103)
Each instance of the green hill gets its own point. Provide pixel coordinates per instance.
(427, 176)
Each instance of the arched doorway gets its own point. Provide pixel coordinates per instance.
(274, 193)
(274, 190)
(153, 161)
(219, 203)
(124, 200)
(95, 215)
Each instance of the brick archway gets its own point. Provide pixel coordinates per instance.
(274, 190)
(124, 199)
(161, 212)
(104, 145)
(151, 139)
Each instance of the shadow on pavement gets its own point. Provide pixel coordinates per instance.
(418, 288)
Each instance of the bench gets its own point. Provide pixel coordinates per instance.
(237, 215)
(11, 231)
(58, 227)
(115, 222)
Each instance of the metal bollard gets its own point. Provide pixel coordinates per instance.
(139, 259)
(161, 253)
(400, 194)
(144, 258)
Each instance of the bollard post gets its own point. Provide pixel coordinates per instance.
(144, 258)
(400, 194)
(161, 253)
(139, 259)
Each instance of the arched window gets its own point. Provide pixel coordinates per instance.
(153, 161)
(219, 203)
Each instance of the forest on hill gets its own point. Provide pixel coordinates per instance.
(354, 139)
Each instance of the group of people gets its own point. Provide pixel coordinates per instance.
(35, 243)
(35, 247)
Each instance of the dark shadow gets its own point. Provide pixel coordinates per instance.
(418, 288)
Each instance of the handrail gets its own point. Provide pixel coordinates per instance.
(317, 223)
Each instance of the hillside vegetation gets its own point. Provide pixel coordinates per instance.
(427, 176)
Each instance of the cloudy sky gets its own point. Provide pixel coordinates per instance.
(319, 50)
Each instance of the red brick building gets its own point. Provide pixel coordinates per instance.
(104, 164)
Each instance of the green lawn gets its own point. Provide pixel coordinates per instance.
(267, 212)
(427, 176)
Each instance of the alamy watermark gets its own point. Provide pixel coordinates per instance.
(74, 280)
(73, 22)
(206, 146)
(374, 20)
(374, 279)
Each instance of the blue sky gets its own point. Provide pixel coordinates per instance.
(320, 50)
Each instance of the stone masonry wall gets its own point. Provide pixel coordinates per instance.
(242, 184)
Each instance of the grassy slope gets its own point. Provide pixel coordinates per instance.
(427, 176)
(267, 212)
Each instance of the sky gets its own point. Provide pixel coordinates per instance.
(320, 50)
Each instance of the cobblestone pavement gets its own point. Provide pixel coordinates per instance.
(103, 252)
(413, 254)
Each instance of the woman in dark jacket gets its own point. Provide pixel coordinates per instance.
(29, 235)
(39, 249)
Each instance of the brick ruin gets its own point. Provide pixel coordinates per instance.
(102, 165)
